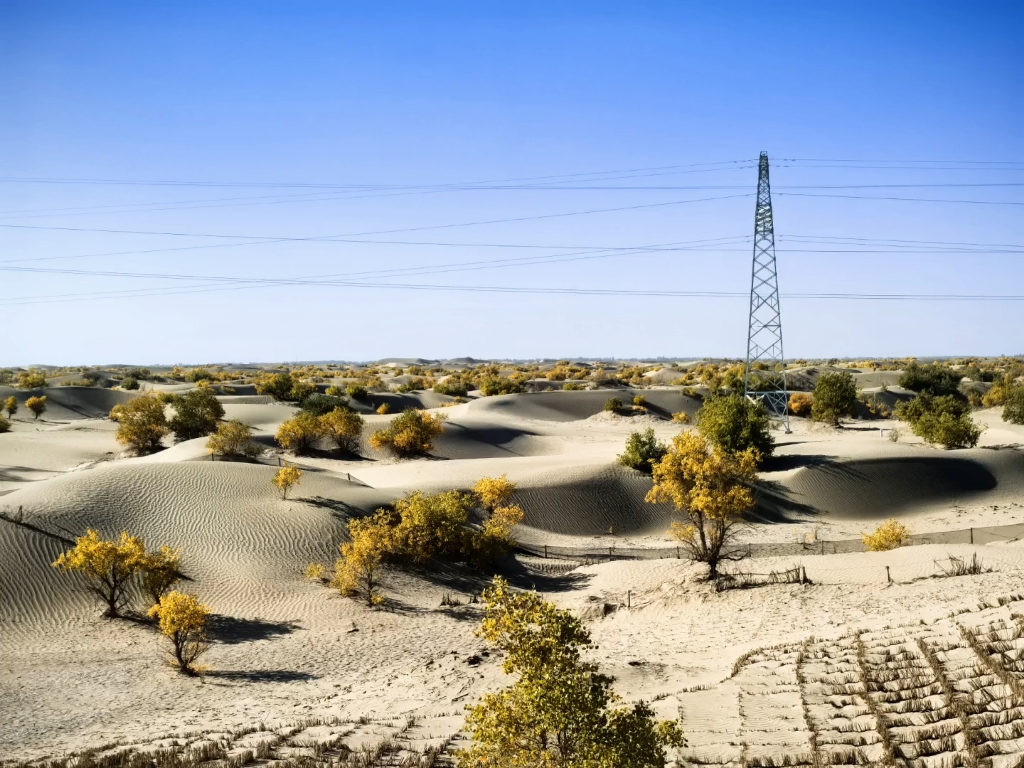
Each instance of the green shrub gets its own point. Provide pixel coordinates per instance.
(1013, 405)
(571, 386)
(613, 404)
(935, 379)
(196, 414)
(198, 374)
(943, 420)
(300, 391)
(128, 382)
(320, 405)
(735, 423)
(277, 385)
(835, 396)
(643, 451)
(356, 391)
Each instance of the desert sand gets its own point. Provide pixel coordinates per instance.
(762, 674)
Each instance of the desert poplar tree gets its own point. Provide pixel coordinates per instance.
(711, 487)
(286, 478)
(357, 573)
(108, 566)
(183, 621)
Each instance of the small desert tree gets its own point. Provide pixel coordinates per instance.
(233, 439)
(343, 427)
(319, 404)
(196, 414)
(358, 571)
(800, 404)
(945, 420)
(300, 433)
(889, 535)
(277, 385)
(710, 486)
(141, 423)
(108, 566)
(183, 621)
(643, 451)
(736, 424)
(432, 525)
(161, 570)
(11, 406)
(493, 492)
(286, 478)
(37, 405)
(560, 710)
(411, 432)
(356, 391)
(835, 396)
(495, 538)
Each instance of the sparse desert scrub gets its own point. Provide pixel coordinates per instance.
(710, 486)
(11, 406)
(196, 414)
(800, 404)
(356, 391)
(935, 379)
(142, 423)
(108, 567)
(299, 433)
(233, 439)
(5, 425)
(37, 405)
(493, 492)
(736, 424)
(452, 386)
(410, 433)
(889, 535)
(343, 427)
(681, 417)
(182, 620)
(286, 478)
(560, 710)
(384, 408)
(640, 401)
(497, 385)
(835, 396)
(129, 383)
(643, 451)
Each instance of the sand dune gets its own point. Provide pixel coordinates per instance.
(572, 406)
(65, 403)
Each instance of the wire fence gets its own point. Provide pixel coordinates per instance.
(984, 535)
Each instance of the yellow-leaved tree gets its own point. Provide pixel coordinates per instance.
(357, 573)
(141, 423)
(300, 433)
(409, 433)
(493, 491)
(560, 711)
(11, 406)
(287, 477)
(108, 567)
(233, 439)
(343, 427)
(37, 405)
(711, 487)
(183, 621)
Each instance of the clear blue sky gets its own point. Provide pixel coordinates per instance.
(385, 106)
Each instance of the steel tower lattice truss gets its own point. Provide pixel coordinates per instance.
(765, 374)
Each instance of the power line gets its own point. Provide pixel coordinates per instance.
(904, 199)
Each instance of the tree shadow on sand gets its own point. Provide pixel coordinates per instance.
(262, 676)
(232, 630)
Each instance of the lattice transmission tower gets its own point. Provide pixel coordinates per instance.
(765, 373)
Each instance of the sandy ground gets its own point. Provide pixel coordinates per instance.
(748, 669)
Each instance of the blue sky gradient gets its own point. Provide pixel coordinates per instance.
(385, 105)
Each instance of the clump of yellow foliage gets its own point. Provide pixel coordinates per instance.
(411, 432)
(711, 487)
(183, 621)
(889, 535)
(287, 477)
(233, 439)
(142, 423)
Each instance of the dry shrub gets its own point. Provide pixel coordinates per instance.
(682, 417)
(37, 405)
(383, 409)
(889, 535)
(800, 404)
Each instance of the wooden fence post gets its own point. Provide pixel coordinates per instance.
(545, 551)
(888, 578)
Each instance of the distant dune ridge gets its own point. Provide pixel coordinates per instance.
(244, 550)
